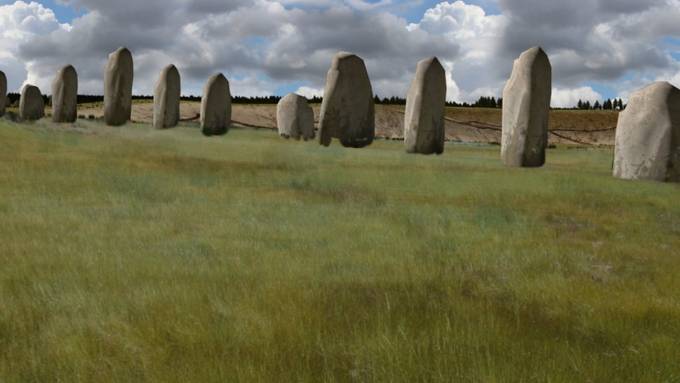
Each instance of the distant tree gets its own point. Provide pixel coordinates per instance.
(579, 105)
(597, 105)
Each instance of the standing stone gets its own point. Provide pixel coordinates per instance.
(347, 110)
(648, 135)
(216, 106)
(31, 105)
(65, 95)
(118, 88)
(425, 103)
(526, 104)
(166, 99)
(3, 93)
(295, 118)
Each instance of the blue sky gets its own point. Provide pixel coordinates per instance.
(600, 49)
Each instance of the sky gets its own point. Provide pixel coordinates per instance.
(598, 48)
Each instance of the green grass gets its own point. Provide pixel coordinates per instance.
(133, 255)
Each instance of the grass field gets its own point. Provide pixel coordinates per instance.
(133, 255)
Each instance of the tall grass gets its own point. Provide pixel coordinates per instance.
(137, 255)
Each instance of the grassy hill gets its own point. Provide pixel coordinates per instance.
(130, 254)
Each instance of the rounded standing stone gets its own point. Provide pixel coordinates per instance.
(166, 98)
(65, 95)
(31, 105)
(295, 118)
(118, 88)
(526, 107)
(648, 135)
(425, 105)
(3, 93)
(216, 106)
(347, 110)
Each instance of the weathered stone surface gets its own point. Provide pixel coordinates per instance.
(118, 87)
(31, 105)
(526, 105)
(347, 111)
(3, 93)
(295, 118)
(648, 135)
(166, 98)
(216, 106)
(65, 95)
(425, 103)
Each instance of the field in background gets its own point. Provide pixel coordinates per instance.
(130, 254)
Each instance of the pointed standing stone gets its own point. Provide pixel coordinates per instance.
(295, 118)
(65, 95)
(648, 135)
(347, 110)
(526, 104)
(31, 105)
(166, 99)
(425, 103)
(3, 93)
(118, 88)
(216, 106)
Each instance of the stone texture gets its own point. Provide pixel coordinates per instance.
(65, 95)
(347, 111)
(118, 88)
(425, 103)
(526, 105)
(31, 105)
(216, 106)
(3, 93)
(295, 118)
(648, 135)
(166, 98)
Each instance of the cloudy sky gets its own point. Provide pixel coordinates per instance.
(598, 48)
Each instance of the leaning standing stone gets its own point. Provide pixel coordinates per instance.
(65, 95)
(216, 106)
(295, 118)
(347, 110)
(648, 135)
(526, 104)
(118, 88)
(31, 105)
(166, 99)
(3, 93)
(425, 103)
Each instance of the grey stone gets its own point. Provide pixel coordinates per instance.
(118, 88)
(31, 105)
(526, 107)
(216, 106)
(166, 98)
(65, 95)
(425, 103)
(347, 111)
(3, 93)
(648, 135)
(295, 118)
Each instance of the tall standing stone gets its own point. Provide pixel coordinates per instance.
(31, 105)
(526, 105)
(648, 135)
(3, 93)
(166, 98)
(425, 103)
(118, 88)
(216, 106)
(347, 110)
(295, 118)
(65, 95)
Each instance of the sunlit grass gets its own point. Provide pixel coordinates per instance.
(131, 254)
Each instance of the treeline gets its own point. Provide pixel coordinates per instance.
(482, 102)
(608, 104)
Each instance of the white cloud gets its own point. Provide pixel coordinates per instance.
(308, 92)
(567, 98)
